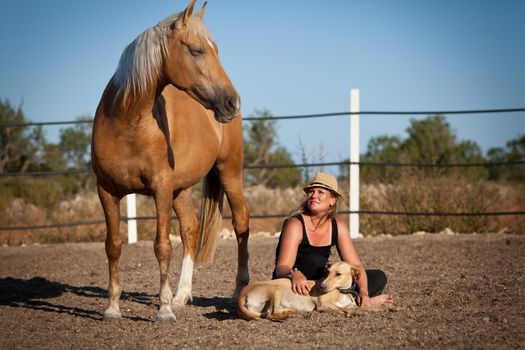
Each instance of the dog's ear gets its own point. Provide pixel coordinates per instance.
(356, 273)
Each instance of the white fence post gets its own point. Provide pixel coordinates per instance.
(131, 201)
(354, 158)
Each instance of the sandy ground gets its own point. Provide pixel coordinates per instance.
(453, 291)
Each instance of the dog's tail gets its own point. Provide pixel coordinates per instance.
(244, 312)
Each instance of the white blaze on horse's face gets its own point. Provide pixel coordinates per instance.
(193, 65)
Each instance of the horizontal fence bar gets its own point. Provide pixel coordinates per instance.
(337, 114)
(303, 116)
(49, 173)
(68, 122)
(404, 213)
(75, 223)
(42, 227)
(303, 165)
(270, 216)
(392, 164)
(380, 212)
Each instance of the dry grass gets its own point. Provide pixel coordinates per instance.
(415, 191)
(444, 192)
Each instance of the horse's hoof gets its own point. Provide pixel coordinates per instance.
(181, 301)
(112, 315)
(166, 317)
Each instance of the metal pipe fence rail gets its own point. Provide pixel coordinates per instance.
(302, 165)
(282, 166)
(305, 116)
(263, 216)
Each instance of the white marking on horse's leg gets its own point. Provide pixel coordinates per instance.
(113, 247)
(112, 311)
(163, 251)
(185, 282)
(165, 313)
(112, 314)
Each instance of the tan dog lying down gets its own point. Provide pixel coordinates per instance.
(275, 299)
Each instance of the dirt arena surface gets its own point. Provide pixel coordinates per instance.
(454, 291)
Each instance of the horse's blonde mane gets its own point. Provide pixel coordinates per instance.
(141, 62)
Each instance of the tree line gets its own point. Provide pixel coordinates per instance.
(430, 141)
(26, 149)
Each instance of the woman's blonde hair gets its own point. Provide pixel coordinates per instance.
(303, 208)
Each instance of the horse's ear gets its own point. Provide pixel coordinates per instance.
(188, 12)
(200, 14)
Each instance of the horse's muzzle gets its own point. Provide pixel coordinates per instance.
(228, 108)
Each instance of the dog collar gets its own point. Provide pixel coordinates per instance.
(350, 291)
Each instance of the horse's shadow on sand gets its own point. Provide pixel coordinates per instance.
(32, 294)
(38, 293)
(225, 308)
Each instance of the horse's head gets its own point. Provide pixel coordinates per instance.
(192, 64)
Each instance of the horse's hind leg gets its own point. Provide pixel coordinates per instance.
(231, 180)
(163, 251)
(189, 229)
(111, 206)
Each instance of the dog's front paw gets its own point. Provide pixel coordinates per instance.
(350, 312)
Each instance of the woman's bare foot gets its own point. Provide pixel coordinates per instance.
(382, 299)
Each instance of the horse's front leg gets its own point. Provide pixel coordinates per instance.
(242, 232)
(163, 251)
(111, 207)
(189, 229)
(233, 187)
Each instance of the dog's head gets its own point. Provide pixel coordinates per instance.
(339, 275)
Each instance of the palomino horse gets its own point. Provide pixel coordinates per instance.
(168, 118)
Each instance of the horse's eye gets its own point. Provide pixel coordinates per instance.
(338, 274)
(196, 51)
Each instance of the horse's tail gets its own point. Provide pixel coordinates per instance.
(211, 217)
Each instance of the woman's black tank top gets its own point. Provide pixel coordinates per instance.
(305, 248)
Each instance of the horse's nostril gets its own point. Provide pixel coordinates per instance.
(231, 104)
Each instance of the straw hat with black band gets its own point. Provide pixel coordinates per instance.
(324, 180)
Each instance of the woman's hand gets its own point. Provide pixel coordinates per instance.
(300, 284)
(363, 300)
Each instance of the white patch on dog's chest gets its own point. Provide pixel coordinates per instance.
(344, 300)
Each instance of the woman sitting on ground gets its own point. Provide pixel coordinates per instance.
(306, 240)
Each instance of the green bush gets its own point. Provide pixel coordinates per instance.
(43, 193)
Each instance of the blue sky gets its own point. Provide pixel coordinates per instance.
(290, 57)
